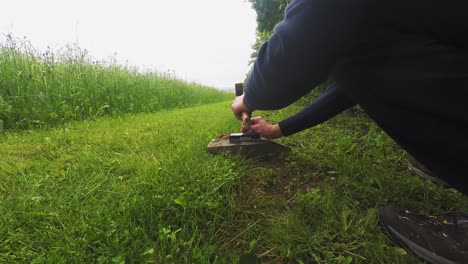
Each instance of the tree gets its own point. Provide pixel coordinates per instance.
(269, 13)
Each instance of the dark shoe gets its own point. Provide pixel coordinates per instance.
(420, 170)
(436, 239)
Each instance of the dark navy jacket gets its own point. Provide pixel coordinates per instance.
(404, 62)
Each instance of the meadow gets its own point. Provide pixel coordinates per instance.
(137, 186)
(47, 88)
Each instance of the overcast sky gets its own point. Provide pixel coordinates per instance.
(206, 41)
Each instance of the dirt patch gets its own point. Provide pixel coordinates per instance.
(282, 179)
(267, 193)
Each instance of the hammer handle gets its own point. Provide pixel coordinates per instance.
(246, 120)
(245, 115)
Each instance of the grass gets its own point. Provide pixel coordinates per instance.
(131, 182)
(142, 189)
(42, 89)
(139, 188)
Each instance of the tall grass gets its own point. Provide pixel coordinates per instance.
(53, 87)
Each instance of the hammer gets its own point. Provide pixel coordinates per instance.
(245, 115)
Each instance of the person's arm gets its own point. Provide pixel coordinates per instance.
(303, 50)
(331, 102)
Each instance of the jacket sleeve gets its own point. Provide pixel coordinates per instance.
(302, 51)
(330, 103)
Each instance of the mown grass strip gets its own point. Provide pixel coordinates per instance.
(139, 188)
(143, 189)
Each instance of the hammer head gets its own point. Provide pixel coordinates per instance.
(239, 89)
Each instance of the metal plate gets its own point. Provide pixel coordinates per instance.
(260, 147)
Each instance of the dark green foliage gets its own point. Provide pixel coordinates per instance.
(269, 13)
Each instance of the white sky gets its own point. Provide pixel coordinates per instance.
(206, 41)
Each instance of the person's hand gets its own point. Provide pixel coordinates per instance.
(263, 128)
(238, 107)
